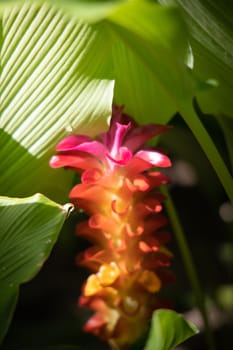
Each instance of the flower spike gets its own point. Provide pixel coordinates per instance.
(119, 190)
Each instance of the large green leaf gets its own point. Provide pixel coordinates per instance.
(145, 50)
(212, 42)
(29, 228)
(50, 86)
(211, 38)
(168, 330)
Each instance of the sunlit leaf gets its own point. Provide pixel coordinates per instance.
(168, 330)
(28, 230)
(145, 48)
(50, 86)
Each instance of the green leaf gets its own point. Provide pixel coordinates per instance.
(90, 11)
(168, 330)
(145, 48)
(151, 54)
(211, 38)
(29, 228)
(50, 86)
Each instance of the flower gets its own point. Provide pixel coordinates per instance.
(119, 190)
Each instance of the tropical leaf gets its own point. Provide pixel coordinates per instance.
(211, 38)
(29, 228)
(50, 86)
(168, 330)
(145, 50)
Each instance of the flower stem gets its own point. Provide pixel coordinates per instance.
(192, 120)
(189, 264)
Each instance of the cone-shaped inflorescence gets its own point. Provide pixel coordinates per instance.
(119, 190)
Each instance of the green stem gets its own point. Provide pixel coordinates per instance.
(192, 120)
(189, 265)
